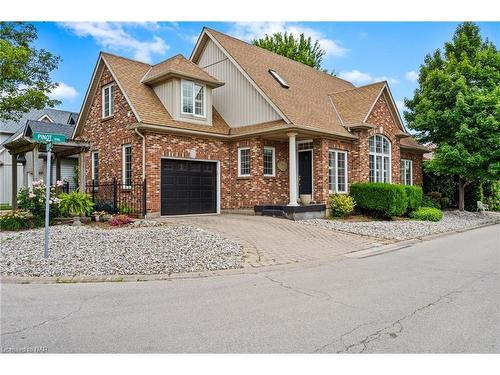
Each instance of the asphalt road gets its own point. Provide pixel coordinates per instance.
(437, 296)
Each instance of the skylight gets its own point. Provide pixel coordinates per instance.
(278, 78)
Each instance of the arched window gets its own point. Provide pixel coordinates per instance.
(380, 159)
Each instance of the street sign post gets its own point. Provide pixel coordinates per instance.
(48, 140)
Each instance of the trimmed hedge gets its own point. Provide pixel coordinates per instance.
(414, 195)
(380, 199)
(427, 214)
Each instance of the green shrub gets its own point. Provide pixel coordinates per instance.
(414, 195)
(379, 199)
(75, 204)
(16, 220)
(101, 205)
(446, 185)
(432, 199)
(5, 206)
(492, 195)
(427, 214)
(341, 205)
(125, 209)
(429, 202)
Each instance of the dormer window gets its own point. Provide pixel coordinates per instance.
(192, 99)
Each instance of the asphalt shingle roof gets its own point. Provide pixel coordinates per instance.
(32, 126)
(56, 115)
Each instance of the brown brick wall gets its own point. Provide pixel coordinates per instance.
(417, 165)
(236, 192)
(382, 117)
(108, 136)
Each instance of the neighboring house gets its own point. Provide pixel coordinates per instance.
(11, 130)
(237, 126)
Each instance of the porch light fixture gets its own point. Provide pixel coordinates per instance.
(278, 78)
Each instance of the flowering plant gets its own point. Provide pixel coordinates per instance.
(119, 220)
(33, 200)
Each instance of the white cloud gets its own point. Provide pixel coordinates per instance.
(362, 78)
(411, 76)
(64, 91)
(114, 36)
(249, 31)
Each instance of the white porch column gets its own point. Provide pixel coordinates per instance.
(292, 169)
(14, 181)
(81, 172)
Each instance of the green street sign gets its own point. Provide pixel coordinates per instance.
(48, 138)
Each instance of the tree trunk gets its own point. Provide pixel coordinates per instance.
(461, 194)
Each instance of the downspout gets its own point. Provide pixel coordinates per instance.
(143, 153)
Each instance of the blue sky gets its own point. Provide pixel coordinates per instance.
(361, 52)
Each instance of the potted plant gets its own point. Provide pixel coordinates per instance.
(75, 204)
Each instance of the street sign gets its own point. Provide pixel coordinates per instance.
(48, 138)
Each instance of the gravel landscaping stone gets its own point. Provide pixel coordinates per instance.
(140, 250)
(408, 229)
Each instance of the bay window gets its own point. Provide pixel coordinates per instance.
(379, 159)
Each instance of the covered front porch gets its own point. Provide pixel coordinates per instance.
(33, 156)
(304, 162)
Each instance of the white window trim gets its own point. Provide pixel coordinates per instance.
(124, 186)
(47, 117)
(239, 162)
(337, 172)
(92, 158)
(273, 149)
(204, 115)
(410, 162)
(111, 101)
(375, 153)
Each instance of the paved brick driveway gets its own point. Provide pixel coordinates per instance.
(273, 241)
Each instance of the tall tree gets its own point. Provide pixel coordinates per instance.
(300, 49)
(25, 81)
(457, 108)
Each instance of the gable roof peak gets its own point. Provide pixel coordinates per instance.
(104, 54)
(210, 30)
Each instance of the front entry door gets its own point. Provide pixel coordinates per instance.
(305, 172)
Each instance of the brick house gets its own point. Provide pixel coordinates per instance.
(235, 126)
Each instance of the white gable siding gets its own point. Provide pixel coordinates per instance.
(238, 102)
(169, 93)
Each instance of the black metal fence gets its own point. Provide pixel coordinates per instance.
(69, 187)
(116, 198)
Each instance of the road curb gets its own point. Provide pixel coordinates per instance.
(247, 269)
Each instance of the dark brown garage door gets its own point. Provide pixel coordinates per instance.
(188, 187)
